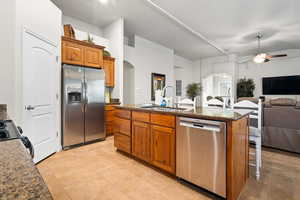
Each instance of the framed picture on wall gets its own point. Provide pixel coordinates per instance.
(158, 82)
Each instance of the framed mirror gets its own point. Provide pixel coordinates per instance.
(158, 82)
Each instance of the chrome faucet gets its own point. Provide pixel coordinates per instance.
(165, 88)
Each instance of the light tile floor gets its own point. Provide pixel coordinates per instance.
(98, 172)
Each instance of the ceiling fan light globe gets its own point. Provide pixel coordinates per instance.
(259, 59)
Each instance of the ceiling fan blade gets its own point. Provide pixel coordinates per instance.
(267, 60)
(244, 59)
(279, 55)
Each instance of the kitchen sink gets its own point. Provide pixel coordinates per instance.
(160, 108)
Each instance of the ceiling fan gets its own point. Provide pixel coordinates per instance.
(264, 57)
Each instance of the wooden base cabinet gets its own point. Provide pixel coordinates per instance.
(141, 138)
(152, 137)
(163, 148)
(109, 118)
(122, 142)
(122, 130)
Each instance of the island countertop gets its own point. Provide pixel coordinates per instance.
(209, 113)
(19, 178)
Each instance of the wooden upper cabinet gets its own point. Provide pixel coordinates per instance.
(81, 53)
(109, 68)
(72, 53)
(141, 140)
(163, 148)
(93, 57)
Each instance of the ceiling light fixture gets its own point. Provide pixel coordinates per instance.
(260, 58)
(103, 1)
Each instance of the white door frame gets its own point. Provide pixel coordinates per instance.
(57, 81)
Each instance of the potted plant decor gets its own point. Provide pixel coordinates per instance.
(193, 90)
(245, 87)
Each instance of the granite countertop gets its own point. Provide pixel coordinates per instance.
(209, 113)
(19, 178)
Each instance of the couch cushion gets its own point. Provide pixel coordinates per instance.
(267, 104)
(283, 102)
(282, 116)
(297, 105)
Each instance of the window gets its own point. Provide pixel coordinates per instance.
(178, 88)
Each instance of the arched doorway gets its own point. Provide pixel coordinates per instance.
(128, 83)
(217, 85)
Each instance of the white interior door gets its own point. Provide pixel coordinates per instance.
(39, 94)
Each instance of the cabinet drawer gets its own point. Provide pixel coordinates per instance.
(123, 113)
(122, 126)
(141, 116)
(163, 120)
(122, 142)
(109, 107)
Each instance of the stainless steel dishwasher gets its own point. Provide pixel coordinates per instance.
(201, 153)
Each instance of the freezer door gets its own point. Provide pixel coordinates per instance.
(94, 107)
(73, 105)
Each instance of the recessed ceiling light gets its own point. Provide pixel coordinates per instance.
(103, 1)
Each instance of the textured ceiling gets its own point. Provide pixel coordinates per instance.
(231, 24)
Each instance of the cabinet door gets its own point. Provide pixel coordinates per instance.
(93, 57)
(122, 142)
(141, 139)
(72, 53)
(163, 148)
(109, 68)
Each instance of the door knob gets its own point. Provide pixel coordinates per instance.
(29, 108)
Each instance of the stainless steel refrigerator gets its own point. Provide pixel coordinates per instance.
(83, 105)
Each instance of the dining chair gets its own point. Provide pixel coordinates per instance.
(255, 129)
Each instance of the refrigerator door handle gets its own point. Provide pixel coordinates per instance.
(86, 96)
(82, 97)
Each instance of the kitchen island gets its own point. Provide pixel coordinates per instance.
(19, 178)
(149, 134)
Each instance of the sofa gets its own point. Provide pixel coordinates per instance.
(281, 124)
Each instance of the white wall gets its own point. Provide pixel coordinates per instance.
(82, 29)
(39, 16)
(148, 57)
(128, 83)
(7, 64)
(220, 65)
(187, 71)
(277, 67)
(78, 24)
(115, 34)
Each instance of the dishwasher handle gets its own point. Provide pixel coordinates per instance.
(206, 127)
